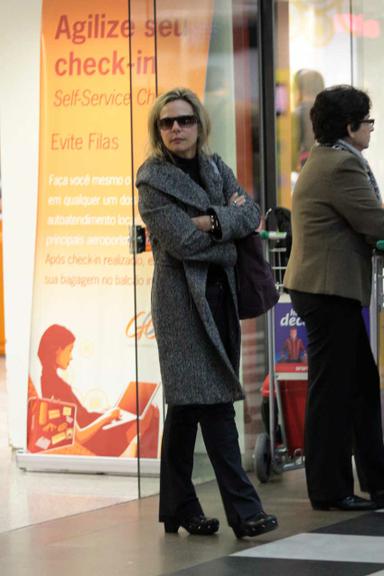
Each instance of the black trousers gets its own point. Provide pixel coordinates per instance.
(177, 493)
(343, 415)
(217, 421)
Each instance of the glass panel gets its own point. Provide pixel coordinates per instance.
(314, 49)
(139, 331)
(80, 367)
(367, 27)
(210, 47)
(320, 43)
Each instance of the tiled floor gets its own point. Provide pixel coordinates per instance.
(76, 525)
(358, 550)
(126, 540)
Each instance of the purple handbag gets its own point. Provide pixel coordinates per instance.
(256, 289)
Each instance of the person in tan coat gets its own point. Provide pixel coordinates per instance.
(337, 216)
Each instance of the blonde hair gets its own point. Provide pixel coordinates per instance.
(156, 146)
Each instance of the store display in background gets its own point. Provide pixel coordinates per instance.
(93, 270)
(290, 335)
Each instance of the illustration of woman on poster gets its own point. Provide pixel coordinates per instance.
(55, 352)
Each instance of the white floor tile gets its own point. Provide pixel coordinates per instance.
(332, 547)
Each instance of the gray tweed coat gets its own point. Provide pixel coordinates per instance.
(194, 365)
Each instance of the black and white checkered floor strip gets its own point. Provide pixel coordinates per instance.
(354, 547)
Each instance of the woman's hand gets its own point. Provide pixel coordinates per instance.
(111, 415)
(202, 223)
(86, 433)
(236, 199)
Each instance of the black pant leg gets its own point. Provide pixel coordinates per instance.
(177, 493)
(332, 364)
(240, 499)
(369, 448)
(218, 298)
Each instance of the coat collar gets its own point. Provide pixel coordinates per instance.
(171, 180)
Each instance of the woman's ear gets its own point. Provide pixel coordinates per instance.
(352, 129)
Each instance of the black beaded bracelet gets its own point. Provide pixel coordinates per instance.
(215, 226)
(215, 229)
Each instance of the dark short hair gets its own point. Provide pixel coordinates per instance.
(336, 107)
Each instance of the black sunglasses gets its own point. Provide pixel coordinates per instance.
(183, 121)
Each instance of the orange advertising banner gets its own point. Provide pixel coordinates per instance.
(94, 385)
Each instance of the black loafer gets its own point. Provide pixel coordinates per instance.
(198, 525)
(255, 526)
(349, 504)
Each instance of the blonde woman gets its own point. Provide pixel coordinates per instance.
(195, 209)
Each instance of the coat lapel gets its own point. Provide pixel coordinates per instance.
(212, 180)
(174, 182)
(171, 180)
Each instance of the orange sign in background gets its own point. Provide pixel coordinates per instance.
(98, 81)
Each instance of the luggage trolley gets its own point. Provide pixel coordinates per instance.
(280, 447)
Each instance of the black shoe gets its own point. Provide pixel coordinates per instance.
(255, 526)
(378, 498)
(200, 525)
(349, 504)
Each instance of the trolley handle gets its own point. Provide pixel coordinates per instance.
(274, 235)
